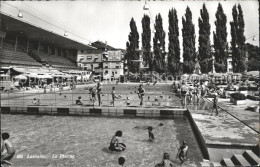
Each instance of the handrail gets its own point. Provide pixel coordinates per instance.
(234, 116)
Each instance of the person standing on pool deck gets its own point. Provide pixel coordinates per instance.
(99, 92)
(113, 93)
(141, 93)
(184, 90)
(215, 104)
(93, 94)
(7, 150)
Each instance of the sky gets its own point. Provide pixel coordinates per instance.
(89, 21)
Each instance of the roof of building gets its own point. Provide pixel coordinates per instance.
(32, 32)
(102, 45)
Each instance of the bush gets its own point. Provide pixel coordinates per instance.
(238, 96)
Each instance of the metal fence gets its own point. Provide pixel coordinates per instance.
(68, 98)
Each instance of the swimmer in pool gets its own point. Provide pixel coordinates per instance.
(121, 161)
(116, 143)
(165, 161)
(7, 149)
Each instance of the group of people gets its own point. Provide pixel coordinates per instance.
(182, 154)
(97, 91)
(116, 144)
(197, 92)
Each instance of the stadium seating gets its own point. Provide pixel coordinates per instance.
(8, 55)
(56, 61)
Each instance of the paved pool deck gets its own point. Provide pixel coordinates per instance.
(224, 129)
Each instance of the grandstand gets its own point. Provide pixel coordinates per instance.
(25, 44)
(10, 55)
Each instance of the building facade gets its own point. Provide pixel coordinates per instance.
(113, 66)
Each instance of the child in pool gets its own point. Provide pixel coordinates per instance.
(182, 152)
(165, 161)
(150, 133)
(7, 149)
(116, 143)
(121, 161)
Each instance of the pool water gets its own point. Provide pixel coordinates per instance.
(163, 92)
(83, 141)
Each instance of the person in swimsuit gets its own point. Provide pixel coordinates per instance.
(215, 104)
(128, 102)
(141, 93)
(7, 149)
(165, 161)
(121, 161)
(34, 101)
(150, 133)
(99, 92)
(116, 143)
(113, 93)
(79, 101)
(182, 152)
(93, 94)
(184, 90)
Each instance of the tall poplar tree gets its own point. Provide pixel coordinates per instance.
(159, 45)
(189, 51)
(204, 57)
(220, 40)
(238, 40)
(146, 41)
(132, 46)
(174, 44)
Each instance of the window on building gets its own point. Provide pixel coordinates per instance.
(117, 66)
(106, 72)
(106, 66)
(116, 72)
(230, 70)
(82, 51)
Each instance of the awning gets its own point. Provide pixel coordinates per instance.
(20, 70)
(20, 77)
(45, 76)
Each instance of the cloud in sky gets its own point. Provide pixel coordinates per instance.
(109, 20)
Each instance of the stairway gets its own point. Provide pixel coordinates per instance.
(248, 158)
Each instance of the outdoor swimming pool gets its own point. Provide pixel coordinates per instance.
(83, 141)
(163, 92)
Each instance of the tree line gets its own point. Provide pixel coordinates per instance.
(206, 55)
